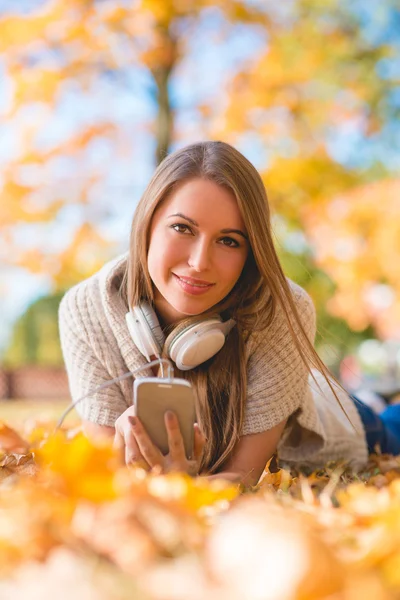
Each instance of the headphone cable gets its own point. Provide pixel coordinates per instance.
(160, 361)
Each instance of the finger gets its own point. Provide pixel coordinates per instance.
(175, 440)
(119, 444)
(148, 450)
(125, 444)
(199, 443)
(132, 451)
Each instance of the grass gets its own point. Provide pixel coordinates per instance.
(16, 412)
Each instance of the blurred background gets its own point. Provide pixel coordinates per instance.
(94, 93)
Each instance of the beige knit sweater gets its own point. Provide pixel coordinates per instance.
(97, 347)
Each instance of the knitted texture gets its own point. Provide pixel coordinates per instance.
(97, 347)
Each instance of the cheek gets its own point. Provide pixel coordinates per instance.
(155, 256)
(231, 267)
(162, 257)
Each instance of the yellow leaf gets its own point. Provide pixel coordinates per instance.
(79, 468)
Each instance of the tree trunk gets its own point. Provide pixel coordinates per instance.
(161, 73)
(164, 124)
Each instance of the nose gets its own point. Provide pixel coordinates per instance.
(199, 258)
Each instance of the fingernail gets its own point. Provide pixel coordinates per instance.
(170, 415)
(133, 421)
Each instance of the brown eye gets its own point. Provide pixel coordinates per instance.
(179, 226)
(231, 242)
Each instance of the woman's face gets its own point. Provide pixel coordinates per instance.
(198, 248)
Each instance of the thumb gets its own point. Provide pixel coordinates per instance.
(199, 442)
(119, 444)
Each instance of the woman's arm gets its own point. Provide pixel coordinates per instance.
(248, 459)
(277, 382)
(94, 431)
(85, 353)
(250, 456)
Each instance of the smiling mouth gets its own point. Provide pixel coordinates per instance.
(194, 282)
(194, 289)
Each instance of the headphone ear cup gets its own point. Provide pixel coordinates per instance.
(153, 323)
(175, 333)
(145, 330)
(190, 345)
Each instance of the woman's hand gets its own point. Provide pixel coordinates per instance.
(132, 439)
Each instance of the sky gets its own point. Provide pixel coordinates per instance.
(115, 201)
(208, 65)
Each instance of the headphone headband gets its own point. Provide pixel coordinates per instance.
(188, 346)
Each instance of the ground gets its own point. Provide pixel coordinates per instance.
(75, 522)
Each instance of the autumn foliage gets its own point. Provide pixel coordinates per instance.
(321, 75)
(75, 521)
(74, 54)
(357, 240)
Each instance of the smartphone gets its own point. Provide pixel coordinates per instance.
(153, 397)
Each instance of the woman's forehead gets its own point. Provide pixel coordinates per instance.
(204, 201)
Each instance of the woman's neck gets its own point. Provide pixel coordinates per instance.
(166, 313)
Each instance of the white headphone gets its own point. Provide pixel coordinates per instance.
(188, 346)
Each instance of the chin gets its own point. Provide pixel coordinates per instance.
(187, 312)
(189, 308)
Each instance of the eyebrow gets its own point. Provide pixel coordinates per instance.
(238, 231)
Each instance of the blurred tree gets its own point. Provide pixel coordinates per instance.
(335, 338)
(321, 80)
(35, 339)
(356, 236)
(320, 104)
(63, 50)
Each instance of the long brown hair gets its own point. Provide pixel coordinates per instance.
(221, 383)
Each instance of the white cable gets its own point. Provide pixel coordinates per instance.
(162, 366)
(115, 380)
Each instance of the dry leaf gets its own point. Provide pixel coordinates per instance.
(11, 441)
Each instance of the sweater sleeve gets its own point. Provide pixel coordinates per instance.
(83, 344)
(277, 377)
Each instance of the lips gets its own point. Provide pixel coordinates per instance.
(193, 281)
(193, 288)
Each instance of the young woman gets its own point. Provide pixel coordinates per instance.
(201, 245)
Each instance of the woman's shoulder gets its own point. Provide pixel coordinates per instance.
(277, 377)
(304, 304)
(300, 295)
(84, 304)
(77, 302)
(278, 330)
